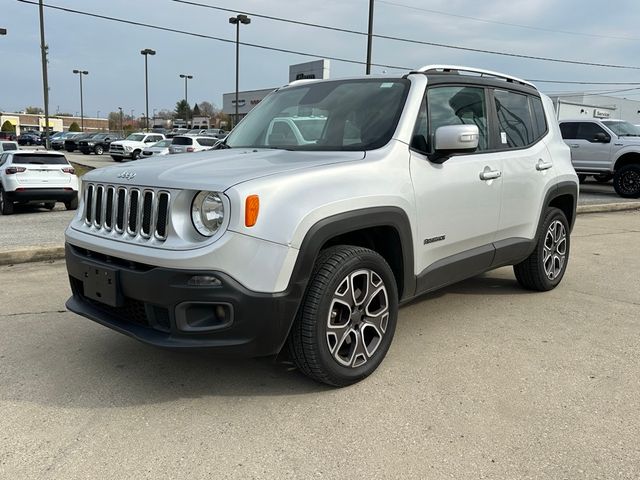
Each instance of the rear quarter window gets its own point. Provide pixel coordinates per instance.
(6, 146)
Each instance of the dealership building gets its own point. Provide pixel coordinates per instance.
(23, 122)
(583, 105)
(318, 69)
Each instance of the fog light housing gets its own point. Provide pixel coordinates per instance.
(201, 317)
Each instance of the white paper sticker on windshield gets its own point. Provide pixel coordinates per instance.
(386, 85)
(503, 137)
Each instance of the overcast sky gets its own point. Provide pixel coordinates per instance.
(111, 51)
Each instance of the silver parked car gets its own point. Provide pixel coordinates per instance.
(159, 148)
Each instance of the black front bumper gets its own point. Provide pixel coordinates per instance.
(157, 306)
(42, 195)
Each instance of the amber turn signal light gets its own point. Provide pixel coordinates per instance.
(251, 210)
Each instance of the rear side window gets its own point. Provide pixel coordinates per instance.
(569, 130)
(6, 146)
(515, 123)
(39, 159)
(182, 141)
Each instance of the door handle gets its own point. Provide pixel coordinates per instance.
(542, 165)
(488, 174)
(574, 145)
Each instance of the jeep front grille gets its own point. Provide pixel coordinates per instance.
(127, 211)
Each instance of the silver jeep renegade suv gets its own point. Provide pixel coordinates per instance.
(328, 206)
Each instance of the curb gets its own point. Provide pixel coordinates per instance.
(43, 254)
(32, 254)
(608, 207)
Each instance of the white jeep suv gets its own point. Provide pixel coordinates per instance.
(263, 244)
(132, 146)
(605, 149)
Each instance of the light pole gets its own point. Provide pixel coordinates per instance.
(370, 37)
(81, 73)
(186, 96)
(121, 121)
(237, 20)
(146, 52)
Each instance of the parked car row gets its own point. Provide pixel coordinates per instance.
(146, 145)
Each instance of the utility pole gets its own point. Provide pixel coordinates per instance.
(370, 37)
(45, 79)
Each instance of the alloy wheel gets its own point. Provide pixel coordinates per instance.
(554, 250)
(358, 318)
(630, 182)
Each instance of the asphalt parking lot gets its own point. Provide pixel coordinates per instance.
(483, 380)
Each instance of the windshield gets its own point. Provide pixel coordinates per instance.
(623, 129)
(135, 137)
(336, 115)
(100, 136)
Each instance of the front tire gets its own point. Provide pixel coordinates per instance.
(347, 318)
(626, 181)
(135, 155)
(6, 205)
(544, 268)
(98, 150)
(50, 205)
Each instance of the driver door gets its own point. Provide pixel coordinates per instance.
(457, 210)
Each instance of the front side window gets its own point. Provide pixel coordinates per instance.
(324, 116)
(588, 131)
(454, 105)
(135, 137)
(515, 125)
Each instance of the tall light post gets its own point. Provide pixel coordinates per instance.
(370, 37)
(146, 52)
(81, 73)
(121, 121)
(237, 20)
(186, 96)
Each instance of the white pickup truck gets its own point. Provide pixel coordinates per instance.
(605, 149)
(132, 146)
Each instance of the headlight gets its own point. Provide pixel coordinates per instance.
(127, 148)
(207, 213)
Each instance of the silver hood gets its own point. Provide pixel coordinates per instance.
(215, 170)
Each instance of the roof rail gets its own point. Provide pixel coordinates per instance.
(457, 68)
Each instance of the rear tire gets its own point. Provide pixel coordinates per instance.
(50, 205)
(544, 268)
(71, 204)
(626, 181)
(6, 205)
(347, 318)
(98, 150)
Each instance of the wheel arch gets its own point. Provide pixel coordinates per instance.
(565, 197)
(386, 230)
(627, 158)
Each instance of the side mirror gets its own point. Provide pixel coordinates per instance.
(452, 139)
(601, 137)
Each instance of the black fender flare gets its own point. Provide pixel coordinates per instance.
(351, 221)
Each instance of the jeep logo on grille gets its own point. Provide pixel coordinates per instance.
(127, 175)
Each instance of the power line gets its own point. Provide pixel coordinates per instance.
(497, 22)
(209, 37)
(408, 40)
(282, 50)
